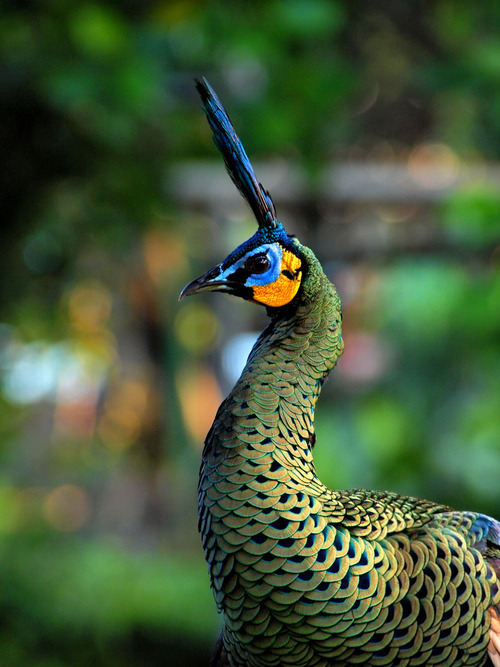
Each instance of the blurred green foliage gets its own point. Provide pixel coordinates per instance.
(99, 557)
(65, 603)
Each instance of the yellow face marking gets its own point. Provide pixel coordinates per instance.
(285, 287)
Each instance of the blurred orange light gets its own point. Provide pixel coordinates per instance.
(67, 508)
(125, 412)
(163, 255)
(89, 306)
(200, 397)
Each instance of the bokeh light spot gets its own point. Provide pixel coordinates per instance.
(200, 397)
(67, 508)
(196, 327)
(434, 165)
(164, 255)
(89, 306)
(124, 414)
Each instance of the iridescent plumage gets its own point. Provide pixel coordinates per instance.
(304, 575)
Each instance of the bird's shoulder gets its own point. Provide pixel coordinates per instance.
(375, 514)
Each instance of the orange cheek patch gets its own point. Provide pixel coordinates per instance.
(285, 287)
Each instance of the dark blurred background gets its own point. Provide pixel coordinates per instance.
(376, 126)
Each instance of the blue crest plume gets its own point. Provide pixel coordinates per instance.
(237, 162)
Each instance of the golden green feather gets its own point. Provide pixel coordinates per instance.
(304, 575)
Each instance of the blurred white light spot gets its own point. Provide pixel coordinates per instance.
(31, 372)
(235, 355)
(36, 371)
(434, 165)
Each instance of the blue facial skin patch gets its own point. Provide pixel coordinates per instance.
(274, 254)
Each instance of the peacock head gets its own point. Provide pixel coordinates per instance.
(266, 269)
(269, 268)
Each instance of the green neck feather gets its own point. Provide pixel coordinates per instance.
(271, 407)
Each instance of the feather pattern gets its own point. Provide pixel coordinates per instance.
(308, 576)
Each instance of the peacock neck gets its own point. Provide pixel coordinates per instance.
(270, 410)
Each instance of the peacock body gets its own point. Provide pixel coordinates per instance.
(304, 575)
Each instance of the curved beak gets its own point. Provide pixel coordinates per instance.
(208, 282)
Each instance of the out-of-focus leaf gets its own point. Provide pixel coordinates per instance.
(473, 217)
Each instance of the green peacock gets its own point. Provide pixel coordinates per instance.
(304, 575)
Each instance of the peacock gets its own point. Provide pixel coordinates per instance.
(304, 575)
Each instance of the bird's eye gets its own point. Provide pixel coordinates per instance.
(257, 264)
